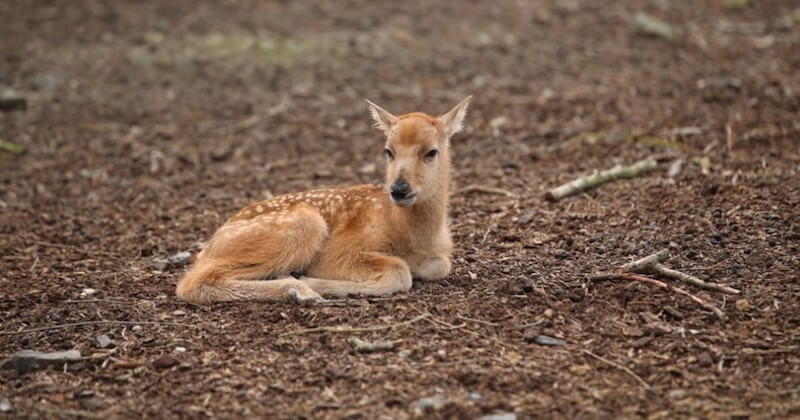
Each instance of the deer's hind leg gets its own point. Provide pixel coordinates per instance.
(244, 252)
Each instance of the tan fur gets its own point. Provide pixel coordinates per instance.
(345, 241)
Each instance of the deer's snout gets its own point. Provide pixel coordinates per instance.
(400, 189)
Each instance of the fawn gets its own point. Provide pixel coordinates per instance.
(366, 239)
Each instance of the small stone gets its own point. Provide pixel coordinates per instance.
(742, 305)
(367, 169)
(430, 402)
(500, 416)
(323, 174)
(5, 405)
(545, 340)
(180, 349)
(28, 360)
(178, 312)
(137, 329)
(88, 292)
(92, 403)
(11, 100)
(180, 259)
(221, 154)
(46, 81)
(103, 341)
(165, 362)
(676, 394)
(580, 370)
(474, 396)
(548, 313)
(159, 264)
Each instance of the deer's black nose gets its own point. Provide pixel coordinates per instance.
(399, 189)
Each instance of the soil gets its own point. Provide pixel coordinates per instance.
(149, 123)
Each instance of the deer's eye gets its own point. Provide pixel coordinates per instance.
(388, 153)
(431, 154)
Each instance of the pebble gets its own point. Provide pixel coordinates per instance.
(165, 362)
(500, 416)
(180, 259)
(11, 100)
(88, 292)
(180, 349)
(545, 340)
(742, 305)
(5, 405)
(29, 360)
(159, 264)
(474, 396)
(103, 341)
(430, 402)
(178, 312)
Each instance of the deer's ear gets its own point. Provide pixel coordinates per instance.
(453, 121)
(384, 119)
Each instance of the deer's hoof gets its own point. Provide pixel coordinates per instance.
(308, 299)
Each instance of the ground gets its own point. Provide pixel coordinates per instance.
(149, 123)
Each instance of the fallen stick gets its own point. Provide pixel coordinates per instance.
(652, 264)
(83, 323)
(348, 329)
(645, 263)
(637, 277)
(687, 278)
(619, 366)
(486, 190)
(600, 177)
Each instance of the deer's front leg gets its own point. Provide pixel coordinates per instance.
(433, 268)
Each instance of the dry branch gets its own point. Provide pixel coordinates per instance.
(677, 275)
(83, 323)
(348, 329)
(486, 190)
(637, 277)
(643, 264)
(652, 264)
(601, 177)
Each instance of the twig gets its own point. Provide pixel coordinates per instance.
(348, 329)
(618, 366)
(100, 301)
(484, 189)
(636, 277)
(597, 178)
(360, 302)
(652, 264)
(643, 264)
(102, 322)
(677, 275)
(68, 413)
(478, 321)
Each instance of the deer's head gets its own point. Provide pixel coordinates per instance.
(417, 152)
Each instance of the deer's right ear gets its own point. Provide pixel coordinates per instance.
(384, 120)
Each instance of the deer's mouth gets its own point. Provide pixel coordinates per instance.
(405, 201)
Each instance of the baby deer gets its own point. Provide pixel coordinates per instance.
(366, 239)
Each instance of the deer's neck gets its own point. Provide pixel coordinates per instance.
(429, 215)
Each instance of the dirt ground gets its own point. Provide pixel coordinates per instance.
(149, 123)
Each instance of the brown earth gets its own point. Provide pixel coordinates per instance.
(149, 123)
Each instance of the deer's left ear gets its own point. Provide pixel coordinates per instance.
(453, 121)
